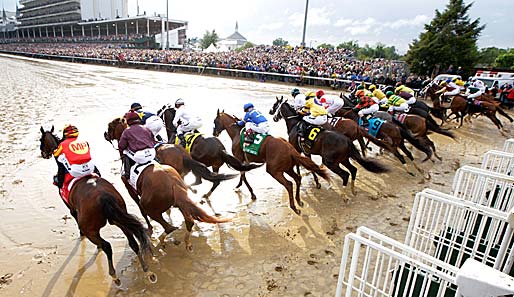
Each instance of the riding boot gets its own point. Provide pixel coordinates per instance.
(249, 136)
(59, 178)
(159, 138)
(127, 164)
(365, 121)
(182, 139)
(301, 127)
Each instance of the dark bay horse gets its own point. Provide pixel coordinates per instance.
(279, 155)
(333, 147)
(93, 201)
(207, 150)
(173, 155)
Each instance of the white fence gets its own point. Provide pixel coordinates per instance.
(484, 187)
(499, 162)
(508, 147)
(453, 230)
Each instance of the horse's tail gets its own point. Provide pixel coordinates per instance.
(234, 163)
(438, 130)
(118, 216)
(503, 113)
(416, 143)
(191, 211)
(369, 165)
(310, 165)
(376, 141)
(199, 169)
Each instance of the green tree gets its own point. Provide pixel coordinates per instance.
(280, 42)
(449, 39)
(505, 60)
(326, 45)
(488, 55)
(208, 38)
(349, 45)
(245, 46)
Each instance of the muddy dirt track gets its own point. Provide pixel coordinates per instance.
(266, 250)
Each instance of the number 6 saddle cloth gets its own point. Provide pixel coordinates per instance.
(253, 147)
(310, 134)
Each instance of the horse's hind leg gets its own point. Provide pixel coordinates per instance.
(353, 172)
(215, 184)
(334, 167)
(187, 236)
(243, 176)
(168, 228)
(106, 247)
(140, 255)
(279, 176)
(298, 181)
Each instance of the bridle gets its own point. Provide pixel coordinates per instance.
(46, 148)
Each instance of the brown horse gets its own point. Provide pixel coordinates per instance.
(333, 147)
(279, 155)
(344, 126)
(175, 156)
(207, 150)
(93, 202)
(460, 107)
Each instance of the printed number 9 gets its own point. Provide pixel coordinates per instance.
(376, 124)
(314, 133)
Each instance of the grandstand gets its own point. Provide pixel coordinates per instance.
(90, 21)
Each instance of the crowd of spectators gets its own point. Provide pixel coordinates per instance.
(328, 63)
(77, 39)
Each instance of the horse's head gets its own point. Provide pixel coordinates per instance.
(48, 142)
(218, 123)
(275, 106)
(114, 129)
(284, 110)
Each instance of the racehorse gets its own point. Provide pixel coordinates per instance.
(344, 126)
(173, 155)
(93, 201)
(207, 150)
(333, 147)
(279, 155)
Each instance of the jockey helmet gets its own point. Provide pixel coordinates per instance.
(70, 131)
(179, 102)
(359, 93)
(443, 83)
(295, 92)
(389, 94)
(309, 95)
(449, 80)
(455, 79)
(372, 87)
(470, 78)
(320, 93)
(467, 84)
(135, 106)
(247, 106)
(132, 118)
(360, 87)
(398, 84)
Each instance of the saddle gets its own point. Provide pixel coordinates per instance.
(446, 102)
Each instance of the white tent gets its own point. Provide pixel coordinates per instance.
(211, 49)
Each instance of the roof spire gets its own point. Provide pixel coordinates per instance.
(237, 27)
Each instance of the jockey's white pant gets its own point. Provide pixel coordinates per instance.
(452, 93)
(80, 170)
(332, 109)
(77, 170)
(262, 128)
(188, 127)
(370, 110)
(404, 107)
(475, 95)
(155, 124)
(319, 120)
(411, 100)
(142, 156)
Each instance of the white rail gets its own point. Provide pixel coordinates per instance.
(508, 147)
(499, 162)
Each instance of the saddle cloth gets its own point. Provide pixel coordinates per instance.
(135, 172)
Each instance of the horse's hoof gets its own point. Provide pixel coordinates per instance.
(297, 211)
(301, 204)
(152, 277)
(206, 196)
(116, 281)
(254, 197)
(194, 191)
(411, 173)
(318, 186)
(237, 190)
(354, 192)
(189, 248)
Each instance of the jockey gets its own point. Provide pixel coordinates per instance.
(188, 121)
(408, 97)
(394, 103)
(366, 105)
(149, 120)
(458, 82)
(476, 89)
(315, 114)
(254, 122)
(377, 93)
(299, 99)
(73, 157)
(331, 103)
(400, 87)
(450, 87)
(136, 143)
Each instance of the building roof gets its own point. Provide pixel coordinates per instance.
(236, 36)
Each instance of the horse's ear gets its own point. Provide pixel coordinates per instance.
(42, 130)
(218, 112)
(52, 130)
(281, 97)
(341, 95)
(223, 111)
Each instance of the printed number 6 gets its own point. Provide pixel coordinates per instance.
(314, 133)
(258, 139)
